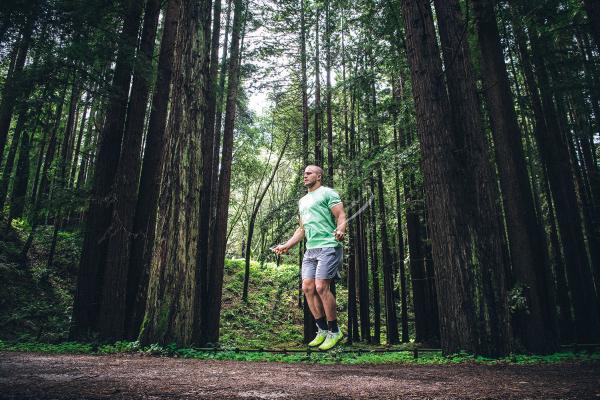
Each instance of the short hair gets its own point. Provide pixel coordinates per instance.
(319, 170)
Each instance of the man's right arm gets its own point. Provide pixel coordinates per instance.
(296, 237)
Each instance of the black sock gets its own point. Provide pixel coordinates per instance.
(322, 323)
(333, 326)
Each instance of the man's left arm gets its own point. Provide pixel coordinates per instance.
(340, 218)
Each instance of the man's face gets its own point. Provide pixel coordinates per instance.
(311, 176)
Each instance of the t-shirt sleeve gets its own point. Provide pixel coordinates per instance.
(333, 198)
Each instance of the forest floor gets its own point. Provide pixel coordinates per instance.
(43, 376)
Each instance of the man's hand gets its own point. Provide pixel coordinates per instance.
(339, 234)
(280, 249)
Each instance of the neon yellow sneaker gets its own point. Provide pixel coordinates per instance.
(331, 340)
(320, 338)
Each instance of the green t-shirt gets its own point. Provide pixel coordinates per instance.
(315, 212)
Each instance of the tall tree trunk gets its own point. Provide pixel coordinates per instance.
(11, 88)
(353, 332)
(21, 180)
(391, 319)
(69, 131)
(77, 152)
(554, 153)
(87, 141)
(400, 259)
(318, 135)
(144, 225)
(215, 273)
(112, 315)
(449, 229)
(478, 173)
(10, 159)
(328, 95)
(526, 238)
(208, 146)
(40, 161)
(218, 128)
(304, 84)
(90, 277)
(308, 319)
(170, 306)
(373, 250)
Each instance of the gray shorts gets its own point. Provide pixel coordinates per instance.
(322, 263)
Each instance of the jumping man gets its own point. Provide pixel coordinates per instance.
(323, 222)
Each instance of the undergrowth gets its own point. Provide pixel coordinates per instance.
(336, 356)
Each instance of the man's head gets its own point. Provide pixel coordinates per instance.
(313, 175)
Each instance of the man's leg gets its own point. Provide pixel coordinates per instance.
(316, 308)
(312, 298)
(326, 298)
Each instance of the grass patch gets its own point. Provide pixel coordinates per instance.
(342, 355)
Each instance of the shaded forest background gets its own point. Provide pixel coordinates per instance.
(152, 139)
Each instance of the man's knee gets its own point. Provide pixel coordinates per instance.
(308, 287)
(322, 286)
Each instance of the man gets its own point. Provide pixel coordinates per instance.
(323, 223)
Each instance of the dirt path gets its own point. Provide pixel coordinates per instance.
(39, 376)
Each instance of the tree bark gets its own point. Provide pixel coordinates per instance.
(526, 238)
(172, 282)
(112, 314)
(217, 265)
(448, 227)
(206, 196)
(89, 280)
(554, 153)
(478, 173)
(144, 225)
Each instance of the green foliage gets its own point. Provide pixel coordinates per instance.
(38, 347)
(270, 315)
(35, 305)
(119, 347)
(339, 355)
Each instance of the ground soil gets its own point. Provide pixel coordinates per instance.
(40, 376)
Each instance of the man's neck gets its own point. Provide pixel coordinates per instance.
(314, 187)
